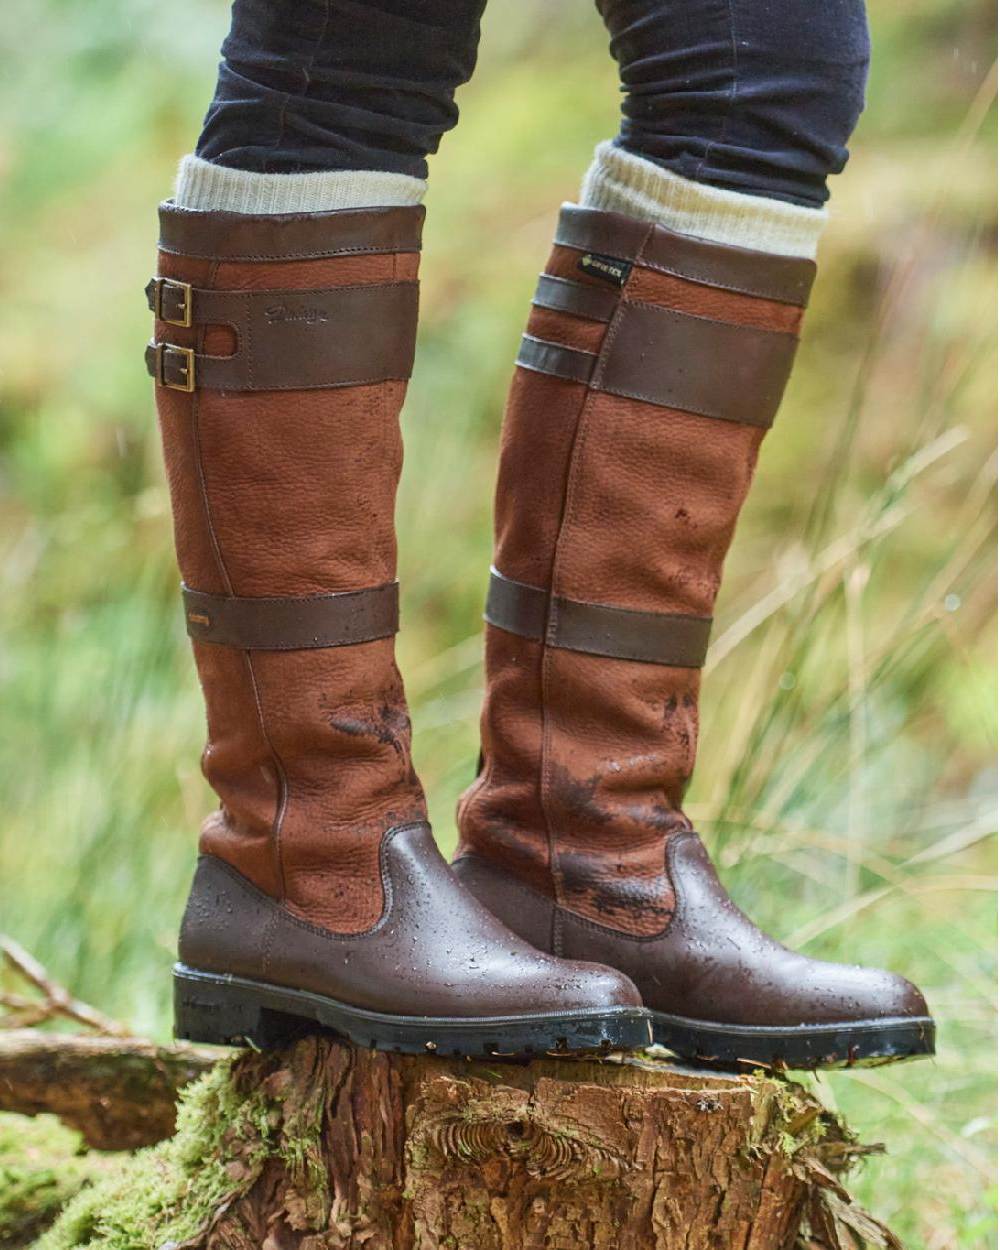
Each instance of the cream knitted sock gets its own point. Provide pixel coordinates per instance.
(202, 185)
(619, 182)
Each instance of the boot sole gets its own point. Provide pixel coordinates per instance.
(226, 1010)
(860, 1043)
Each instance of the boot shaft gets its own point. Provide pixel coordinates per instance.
(282, 349)
(652, 367)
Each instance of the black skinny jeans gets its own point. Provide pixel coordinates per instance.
(756, 96)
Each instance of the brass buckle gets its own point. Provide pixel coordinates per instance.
(186, 369)
(184, 301)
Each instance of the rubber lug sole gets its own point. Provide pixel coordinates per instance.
(861, 1043)
(226, 1010)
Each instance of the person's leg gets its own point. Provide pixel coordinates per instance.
(657, 350)
(286, 307)
(326, 104)
(734, 116)
(746, 96)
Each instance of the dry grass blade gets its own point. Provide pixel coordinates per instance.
(55, 1002)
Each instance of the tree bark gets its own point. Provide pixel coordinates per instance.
(324, 1147)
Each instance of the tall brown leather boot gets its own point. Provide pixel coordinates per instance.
(652, 367)
(282, 349)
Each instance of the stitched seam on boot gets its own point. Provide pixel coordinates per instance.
(282, 797)
(545, 769)
(572, 478)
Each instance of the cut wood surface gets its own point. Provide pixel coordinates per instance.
(320, 1146)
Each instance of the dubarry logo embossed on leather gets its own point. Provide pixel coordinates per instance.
(609, 268)
(279, 313)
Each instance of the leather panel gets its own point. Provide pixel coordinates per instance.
(618, 748)
(536, 444)
(337, 719)
(646, 286)
(434, 951)
(566, 330)
(673, 483)
(716, 369)
(237, 760)
(287, 236)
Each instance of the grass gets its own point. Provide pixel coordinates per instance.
(846, 773)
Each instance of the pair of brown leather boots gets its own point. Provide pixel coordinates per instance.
(582, 912)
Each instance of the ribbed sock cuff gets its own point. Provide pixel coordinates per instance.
(620, 182)
(217, 188)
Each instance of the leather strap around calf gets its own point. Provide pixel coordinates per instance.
(295, 623)
(676, 360)
(671, 639)
(287, 340)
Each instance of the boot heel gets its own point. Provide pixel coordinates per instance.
(210, 1010)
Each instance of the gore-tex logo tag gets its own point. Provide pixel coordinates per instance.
(607, 268)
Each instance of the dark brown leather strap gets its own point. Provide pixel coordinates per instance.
(289, 236)
(291, 340)
(787, 279)
(294, 624)
(563, 295)
(552, 358)
(674, 360)
(516, 607)
(713, 368)
(596, 628)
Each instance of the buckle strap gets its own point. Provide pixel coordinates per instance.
(172, 366)
(170, 301)
(672, 639)
(288, 340)
(293, 624)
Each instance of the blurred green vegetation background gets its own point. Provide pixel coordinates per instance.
(846, 774)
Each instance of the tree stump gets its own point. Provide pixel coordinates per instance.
(321, 1146)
